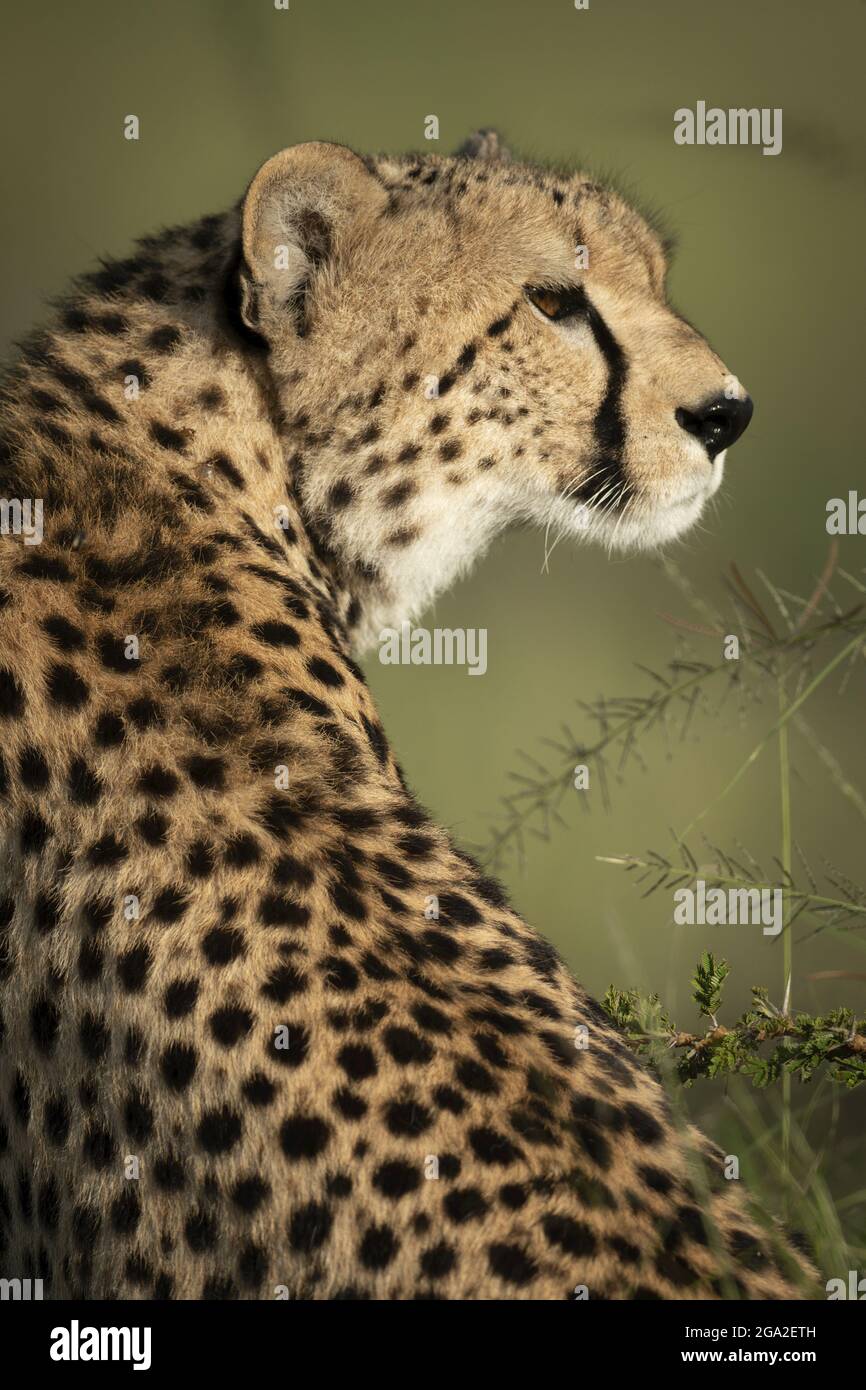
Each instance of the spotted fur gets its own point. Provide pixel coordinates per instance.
(237, 1057)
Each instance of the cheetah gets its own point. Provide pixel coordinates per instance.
(241, 1058)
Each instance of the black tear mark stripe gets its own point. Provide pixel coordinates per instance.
(607, 474)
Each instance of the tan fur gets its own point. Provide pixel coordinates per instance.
(240, 510)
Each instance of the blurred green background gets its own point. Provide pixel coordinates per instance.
(770, 267)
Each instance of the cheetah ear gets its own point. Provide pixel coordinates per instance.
(298, 211)
(485, 144)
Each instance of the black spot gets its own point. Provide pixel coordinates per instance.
(85, 787)
(464, 1204)
(227, 469)
(252, 1265)
(676, 1270)
(448, 1099)
(643, 1126)
(323, 671)
(177, 1065)
(340, 974)
(65, 687)
(20, 1102)
(94, 1036)
(511, 1263)
(113, 654)
(304, 1136)
(199, 859)
(109, 731)
(499, 326)
(690, 1224)
(99, 1147)
(157, 781)
(113, 324)
(180, 998)
(206, 772)
(45, 567)
(276, 634)
(134, 1047)
(746, 1250)
(145, 714)
(594, 1143)
(396, 1179)
(492, 1147)
(302, 700)
(168, 1174)
(405, 1119)
(513, 1195)
(309, 1227)
(295, 1054)
(63, 633)
(44, 1024)
(241, 851)
(153, 827)
(164, 338)
(34, 833)
(170, 904)
(48, 1205)
(56, 1121)
(340, 495)
(107, 852)
(138, 1117)
(430, 1018)
(222, 945)
(230, 1024)
(131, 366)
(655, 1179)
(168, 438)
(357, 1061)
(133, 967)
(249, 1193)
(258, 1090)
(406, 1046)
(99, 406)
(201, 1231)
(441, 946)
(378, 1247)
(455, 908)
(90, 962)
(571, 1236)
(219, 1130)
(474, 1077)
(86, 1222)
(33, 769)
(277, 911)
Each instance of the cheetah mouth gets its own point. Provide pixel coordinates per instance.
(706, 489)
(699, 495)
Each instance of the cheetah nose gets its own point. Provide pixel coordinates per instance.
(719, 423)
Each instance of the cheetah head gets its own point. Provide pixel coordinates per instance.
(458, 344)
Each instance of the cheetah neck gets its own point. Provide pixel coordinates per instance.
(138, 414)
(153, 409)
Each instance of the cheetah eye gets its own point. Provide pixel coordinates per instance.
(557, 304)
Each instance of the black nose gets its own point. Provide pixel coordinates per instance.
(719, 423)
